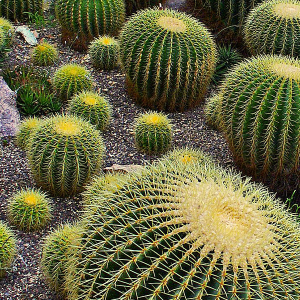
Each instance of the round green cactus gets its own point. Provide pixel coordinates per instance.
(83, 20)
(168, 58)
(201, 233)
(133, 6)
(29, 210)
(55, 254)
(8, 31)
(64, 153)
(17, 10)
(44, 54)
(91, 107)
(212, 111)
(104, 53)
(260, 115)
(2, 40)
(8, 248)
(71, 79)
(279, 16)
(153, 133)
(25, 129)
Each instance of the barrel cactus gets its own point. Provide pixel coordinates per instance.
(173, 233)
(64, 153)
(44, 54)
(2, 41)
(261, 120)
(133, 6)
(8, 248)
(9, 31)
(280, 16)
(104, 53)
(212, 111)
(91, 107)
(83, 20)
(153, 133)
(71, 79)
(29, 209)
(168, 57)
(16, 9)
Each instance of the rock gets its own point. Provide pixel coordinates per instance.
(27, 35)
(9, 114)
(123, 168)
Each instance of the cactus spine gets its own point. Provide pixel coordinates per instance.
(44, 54)
(212, 111)
(280, 16)
(64, 153)
(173, 233)
(168, 58)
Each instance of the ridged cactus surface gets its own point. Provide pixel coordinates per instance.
(64, 153)
(168, 58)
(260, 114)
(83, 20)
(133, 6)
(8, 31)
(196, 233)
(44, 54)
(212, 111)
(273, 27)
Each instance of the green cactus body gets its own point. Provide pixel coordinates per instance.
(64, 153)
(273, 27)
(15, 9)
(212, 111)
(8, 31)
(71, 79)
(55, 254)
(260, 116)
(153, 133)
(168, 58)
(29, 210)
(8, 248)
(83, 20)
(200, 233)
(91, 107)
(44, 54)
(133, 6)
(2, 40)
(104, 53)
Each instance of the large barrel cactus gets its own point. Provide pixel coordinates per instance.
(260, 112)
(168, 58)
(83, 20)
(64, 153)
(274, 28)
(133, 6)
(17, 9)
(196, 233)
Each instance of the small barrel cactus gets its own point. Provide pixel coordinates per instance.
(8, 31)
(260, 117)
(169, 59)
(273, 28)
(153, 133)
(83, 20)
(212, 111)
(29, 210)
(8, 248)
(91, 107)
(104, 53)
(133, 6)
(44, 54)
(71, 79)
(55, 254)
(2, 41)
(25, 129)
(17, 10)
(175, 233)
(64, 153)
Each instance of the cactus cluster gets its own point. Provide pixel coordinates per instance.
(64, 153)
(44, 54)
(273, 28)
(260, 115)
(104, 53)
(9, 32)
(83, 20)
(132, 6)
(8, 248)
(71, 79)
(176, 233)
(16, 9)
(153, 133)
(29, 209)
(168, 57)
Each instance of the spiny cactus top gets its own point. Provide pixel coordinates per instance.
(44, 54)
(197, 234)
(168, 58)
(274, 27)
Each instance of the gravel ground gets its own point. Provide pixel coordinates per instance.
(25, 280)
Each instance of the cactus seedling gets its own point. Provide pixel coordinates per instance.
(44, 54)
(91, 107)
(153, 133)
(29, 210)
(71, 79)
